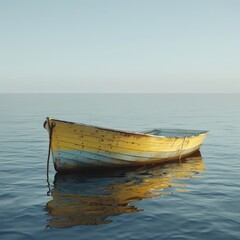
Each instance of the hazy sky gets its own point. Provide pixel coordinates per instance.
(120, 46)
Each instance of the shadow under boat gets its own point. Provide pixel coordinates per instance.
(92, 198)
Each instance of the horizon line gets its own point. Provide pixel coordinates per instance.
(214, 93)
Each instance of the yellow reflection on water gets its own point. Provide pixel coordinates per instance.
(91, 199)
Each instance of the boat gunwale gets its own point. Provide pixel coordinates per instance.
(198, 132)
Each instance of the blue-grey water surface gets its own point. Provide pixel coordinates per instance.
(196, 199)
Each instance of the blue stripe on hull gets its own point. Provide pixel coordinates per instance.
(75, 159)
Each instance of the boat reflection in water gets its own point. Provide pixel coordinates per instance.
(92, 198)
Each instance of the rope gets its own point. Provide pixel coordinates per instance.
(180, 157)
(49, 152)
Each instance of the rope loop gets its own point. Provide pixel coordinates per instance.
(180, 157)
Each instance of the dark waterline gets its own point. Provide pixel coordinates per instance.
(198, 199)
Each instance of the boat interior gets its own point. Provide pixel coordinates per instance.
(174, 132)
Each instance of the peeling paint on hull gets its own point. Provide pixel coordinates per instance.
(76, 146)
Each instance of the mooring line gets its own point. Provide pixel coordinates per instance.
(50, 127)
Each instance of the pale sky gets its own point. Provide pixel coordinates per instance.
(149, 46)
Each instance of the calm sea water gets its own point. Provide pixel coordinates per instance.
(197, 199)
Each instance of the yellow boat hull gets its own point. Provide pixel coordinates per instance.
(77, 146)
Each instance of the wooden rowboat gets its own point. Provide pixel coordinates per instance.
(77, 146)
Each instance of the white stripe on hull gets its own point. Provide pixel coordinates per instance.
(74, 159)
